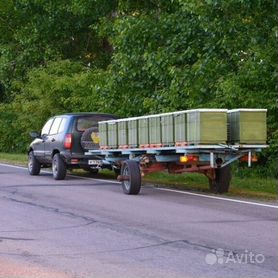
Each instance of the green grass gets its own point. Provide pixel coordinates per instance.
(14, 158)
(249, 187)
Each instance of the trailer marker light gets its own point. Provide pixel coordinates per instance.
(244, 158)
(193, 158)
(254, 158)
(184, 159)
(189, 158)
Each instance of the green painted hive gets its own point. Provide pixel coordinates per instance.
(154, 129)
(180, 122)
(167, 129)
(247, 126)
(122, 132)
(112, 134)
(207, 126)
(103, 134)
(143, 131)
(132, 126)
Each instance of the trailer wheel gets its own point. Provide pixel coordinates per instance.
(222, 180)
(131, 183)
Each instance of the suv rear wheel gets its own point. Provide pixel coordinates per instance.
(34, 167)
(59, 168)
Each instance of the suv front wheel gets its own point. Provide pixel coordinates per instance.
(59, 168)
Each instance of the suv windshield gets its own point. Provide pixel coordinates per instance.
(86, 122)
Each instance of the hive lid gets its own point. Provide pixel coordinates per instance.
(180, 112)
(247, 110)
(207, 110)
(107, 122)
(159, 115)
(168, 113)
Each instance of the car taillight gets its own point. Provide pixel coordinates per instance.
(68, 141)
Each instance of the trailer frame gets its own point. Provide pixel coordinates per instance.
(204, 159)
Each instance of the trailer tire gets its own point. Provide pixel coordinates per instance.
(131, 169)
(222, 180)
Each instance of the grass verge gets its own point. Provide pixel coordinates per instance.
(248, 187)
(14, 158)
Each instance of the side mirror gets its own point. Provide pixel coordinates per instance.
(34, 134)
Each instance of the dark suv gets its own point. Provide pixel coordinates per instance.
(63, 141)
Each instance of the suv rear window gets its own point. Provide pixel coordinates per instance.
(86, 122)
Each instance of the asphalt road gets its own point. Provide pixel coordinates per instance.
(81, 228)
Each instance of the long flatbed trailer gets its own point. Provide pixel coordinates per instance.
(211, 160)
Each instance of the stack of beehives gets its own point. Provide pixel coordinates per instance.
(182, 128)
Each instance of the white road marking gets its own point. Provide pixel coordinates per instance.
(162, 189)
(85, 178)
(13, 166)
(69, 175)
(218, 198)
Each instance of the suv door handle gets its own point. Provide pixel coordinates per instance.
(52, 140)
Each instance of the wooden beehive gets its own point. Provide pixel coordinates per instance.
(247, 126)
(112, 131)
(207, 126)
(180, 129)
(167, 129)
(154, 129)
(143, 131)
(103, 134)
(122, 129)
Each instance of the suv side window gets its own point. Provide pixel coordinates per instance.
(55, 126)
(62, 126)
(46, 127)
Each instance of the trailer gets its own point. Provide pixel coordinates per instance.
(204, 141)
(211, 160)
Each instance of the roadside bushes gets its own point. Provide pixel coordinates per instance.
(133, 58)
(60, 87)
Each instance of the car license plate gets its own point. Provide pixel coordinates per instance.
(95, 162)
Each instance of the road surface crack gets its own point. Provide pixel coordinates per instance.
(53, 209)
(14, 238)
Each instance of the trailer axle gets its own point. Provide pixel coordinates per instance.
(122, 178)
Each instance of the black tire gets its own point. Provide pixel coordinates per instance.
(59, 168)
(86, 139)
(34, 166)
(222, 180)
(131, 169)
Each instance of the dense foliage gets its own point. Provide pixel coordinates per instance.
(134, 57)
